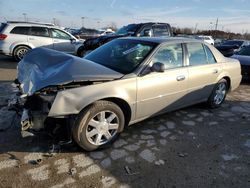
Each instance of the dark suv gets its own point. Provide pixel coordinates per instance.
(136, 30)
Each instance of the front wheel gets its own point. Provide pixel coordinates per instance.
(218, 94)
(98, 125)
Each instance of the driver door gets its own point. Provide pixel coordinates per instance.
(159, 92)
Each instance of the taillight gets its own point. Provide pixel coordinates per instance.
(3, 36)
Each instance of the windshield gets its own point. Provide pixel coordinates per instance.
(244, 51)
(131, 28)
(123, 55)
(233, 42)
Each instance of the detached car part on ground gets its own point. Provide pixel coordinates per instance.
(149, 29)
(123, 82)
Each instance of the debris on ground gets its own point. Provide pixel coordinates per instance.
(36, 162)
(182, 154)
(128, 171)
(159, 162)
(72, 171)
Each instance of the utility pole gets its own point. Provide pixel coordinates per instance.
(25, 17)
(54, 21)
(216, 25)
(98, 24)
(82, 21)
(195, 28)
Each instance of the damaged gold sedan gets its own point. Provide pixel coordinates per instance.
(122, 82)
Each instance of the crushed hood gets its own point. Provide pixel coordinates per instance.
(42, 67)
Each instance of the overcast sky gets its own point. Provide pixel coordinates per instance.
(234, 15)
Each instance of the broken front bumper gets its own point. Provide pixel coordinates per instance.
(32, 109)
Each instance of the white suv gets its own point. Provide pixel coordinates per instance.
(16, 38)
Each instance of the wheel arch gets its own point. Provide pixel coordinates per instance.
(227, 78)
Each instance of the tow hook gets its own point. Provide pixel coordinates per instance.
(25, 120)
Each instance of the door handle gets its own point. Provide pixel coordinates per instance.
(31, 39)
(180, 78)
(215, 71)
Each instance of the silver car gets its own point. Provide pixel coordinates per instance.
(16, 38)
(120, 83)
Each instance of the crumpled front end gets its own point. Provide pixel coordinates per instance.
(33, 110)
(43, 73)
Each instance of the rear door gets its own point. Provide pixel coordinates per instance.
(203, 72)
(62, 41)
(40, 37)
(163, 91)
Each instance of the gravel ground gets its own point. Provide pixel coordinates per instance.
(192, 147)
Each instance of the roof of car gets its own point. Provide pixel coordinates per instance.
(162, 39)
(29, 23)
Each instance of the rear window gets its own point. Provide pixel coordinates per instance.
(160, 30)
(2, 26)
(20, 30)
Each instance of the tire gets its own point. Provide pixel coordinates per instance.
(98, 125)
(19, 52)
(81, 52)
(218, 94)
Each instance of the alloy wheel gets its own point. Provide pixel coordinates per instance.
(102, 128)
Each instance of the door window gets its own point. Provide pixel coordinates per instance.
(210, 56)
(56, 33)
(20, 30)
(39, 31)
(170, 56)
(142, 33)
(196, 54)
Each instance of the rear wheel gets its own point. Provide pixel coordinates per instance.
(98, 125)
(218, 94)
(19, 52)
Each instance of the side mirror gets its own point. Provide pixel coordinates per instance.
(158, 67)
(72, 40)
(147, 33)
